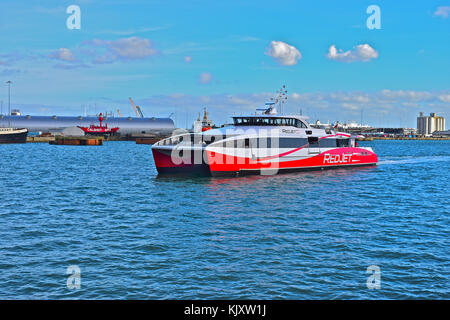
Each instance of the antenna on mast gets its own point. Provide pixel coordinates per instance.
(281, 97)
(9, 102)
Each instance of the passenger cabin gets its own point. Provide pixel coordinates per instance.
(270, 121)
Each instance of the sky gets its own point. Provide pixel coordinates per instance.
(177, 57)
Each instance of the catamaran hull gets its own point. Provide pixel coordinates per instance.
(218, 164)
(244, 172)
(166, 164)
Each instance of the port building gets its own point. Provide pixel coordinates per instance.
(426, 125)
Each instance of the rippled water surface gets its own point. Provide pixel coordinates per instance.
(293, 236)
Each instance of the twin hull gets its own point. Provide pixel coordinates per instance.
(220, 161)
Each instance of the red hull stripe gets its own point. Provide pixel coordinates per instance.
(282, 154)
(334, 157)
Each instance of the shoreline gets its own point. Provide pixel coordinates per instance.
(404, 138)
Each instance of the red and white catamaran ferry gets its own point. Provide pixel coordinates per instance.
(267, 143)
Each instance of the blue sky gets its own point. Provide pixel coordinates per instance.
(180, 56)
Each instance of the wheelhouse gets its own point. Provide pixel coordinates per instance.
(269, 121)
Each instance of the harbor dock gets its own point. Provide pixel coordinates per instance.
(77, 141)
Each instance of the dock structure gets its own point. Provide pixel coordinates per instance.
(77, 141)
(148, 139)
(38, 139)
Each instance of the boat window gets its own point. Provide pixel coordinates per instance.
(264, 143)
(292, 142)
(313, 142)
(327, 143)
(342, 142)
(300, 124)
(268, 121)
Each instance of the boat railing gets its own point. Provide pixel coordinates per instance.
(186, 138)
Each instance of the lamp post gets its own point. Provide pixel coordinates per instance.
(9, 102)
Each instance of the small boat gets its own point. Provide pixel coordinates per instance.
(13, 135)
(266, 143)
(9, 134)
(99, 130)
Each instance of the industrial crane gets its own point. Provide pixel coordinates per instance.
(140, 111)
(136, 109)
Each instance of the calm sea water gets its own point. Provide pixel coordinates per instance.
(292, 236)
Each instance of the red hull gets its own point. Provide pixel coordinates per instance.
(165, 165)
(99, 130)
(220, 164)
(91, 130)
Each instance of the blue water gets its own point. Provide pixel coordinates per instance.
(292, 236)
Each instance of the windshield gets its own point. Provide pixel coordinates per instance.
(266, 121)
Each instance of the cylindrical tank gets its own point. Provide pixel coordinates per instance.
(127, 125)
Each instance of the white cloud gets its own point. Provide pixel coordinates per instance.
(133, 31)
(9, 72)
(63, 54)
(295, 96)
(410, 104)
(132, 48)
(350, 106)
(246, 38)
(105, 58)
(442, 12)
(205, 77)
(362, 52)
(352, 97)
(444, 97)
(284, 53)
(70, 66)
(408, 95)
